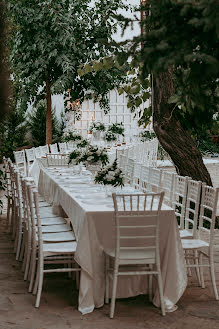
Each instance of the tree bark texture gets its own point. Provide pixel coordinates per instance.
(176, 141)
(48, 113)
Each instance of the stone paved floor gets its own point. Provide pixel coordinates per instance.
(58, 310)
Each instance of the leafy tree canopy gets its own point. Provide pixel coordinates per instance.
(51, 38)
(181, 36)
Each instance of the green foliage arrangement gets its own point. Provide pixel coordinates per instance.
(99, 126)
(110, 175)
(74, 156)
(93, 155)
(71, 136)
(90, 156)
(83, 143)
(117, 128)
(110, 136)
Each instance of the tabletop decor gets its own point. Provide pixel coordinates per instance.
(110, 136)
(94, 155)
(71, 136)
(98, 126)
(74, 156)
(83, 143)
(110, 175)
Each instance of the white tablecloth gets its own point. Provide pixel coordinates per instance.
(92, 220)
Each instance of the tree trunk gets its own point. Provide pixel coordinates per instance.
(176, 141)
(48, 113)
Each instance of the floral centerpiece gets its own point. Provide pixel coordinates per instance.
(110, 136)
(71, 136)
(83, 143)
(98, 126)
(94, 156)
(110, 175)
(74, 156)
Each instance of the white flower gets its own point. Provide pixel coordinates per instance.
(111, 173)
(109, 178)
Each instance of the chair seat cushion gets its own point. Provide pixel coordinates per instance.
(194, 243)
(59, 237)
(56, 228)
(59, 248)
(134, 256)
(46, 212)
(52, 221)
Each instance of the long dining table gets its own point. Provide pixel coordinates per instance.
(91, 212)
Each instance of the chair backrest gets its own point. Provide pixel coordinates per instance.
(32, 212)
(179, 198)
(144, 179)
(155, 177)
(192, 206)
(20, 161)
(71, 145)
(167, 186)
(62, 147)
(44, 150)
(136, 175)
(18, 193)
(12, 179)
(59, 160)
(129, 170)
(137, 222)
(153, 153)
(30, 154)
(122, 162)
(54, 148)
(207, 216)
(38, 153)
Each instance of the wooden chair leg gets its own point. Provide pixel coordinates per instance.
(160, 286)
(213, 278)
(114, 289)
(107, 280)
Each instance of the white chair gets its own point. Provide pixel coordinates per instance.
(38, 153)
(179, 198)
(59, 252)
(136, 176)
(155, 178)
(192, 210)
(144, 179)
(122, 162)
(59, 160)
(30, 154)
(51, 232)
(129, 170)
(48, 218)
(54, 148)
(62, 147)
(137, 241)
(168, 186)
(203, 244)
(153, 153)
(71, 146)
(44, 150)
(20, 161)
